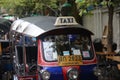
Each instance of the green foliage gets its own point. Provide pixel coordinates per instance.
(27, 7)
(84, 6)
(51, 3)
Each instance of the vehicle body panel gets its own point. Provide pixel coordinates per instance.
(58, 71)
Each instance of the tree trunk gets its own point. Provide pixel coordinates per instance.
(75, 12)
(110, 27)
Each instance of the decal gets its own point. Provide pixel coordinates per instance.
(86, 54)
(55, 55)
(66, 53)
(76, 52)
(49, 52)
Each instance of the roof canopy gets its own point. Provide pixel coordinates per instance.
(37, 25)
(24, 27)
(33, 26)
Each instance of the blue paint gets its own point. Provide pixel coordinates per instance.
(86, 72)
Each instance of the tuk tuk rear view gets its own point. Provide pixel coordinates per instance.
(66, 52)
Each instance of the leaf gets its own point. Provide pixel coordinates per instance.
(104, 3)
(78, 1)
(80, 13)
(84, 11)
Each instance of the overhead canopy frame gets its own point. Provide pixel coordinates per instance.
(26, 28)
(33, 26)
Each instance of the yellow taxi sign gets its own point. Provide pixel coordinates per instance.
(62, 21)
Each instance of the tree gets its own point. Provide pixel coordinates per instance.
(85, 6)
(69, 8)
(24, 8)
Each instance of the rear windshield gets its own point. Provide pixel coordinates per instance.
(62, 45)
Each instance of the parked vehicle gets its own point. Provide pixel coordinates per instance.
(6, 64)
(25, 63)
(65, 52)
(25, 59)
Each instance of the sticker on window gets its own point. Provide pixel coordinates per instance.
(76, 52)
(86, 54)
(48, 54)
(66, 53)
(55, 55)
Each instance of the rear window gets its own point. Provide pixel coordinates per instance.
(72, 44)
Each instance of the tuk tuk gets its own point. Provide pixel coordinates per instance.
(6, 67)
(25, 54)
(6, 64)
(64, 52)
(25, 60)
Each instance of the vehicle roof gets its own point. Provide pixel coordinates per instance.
(46, 25)
(44, 22)
(33, 26)
(67, 30)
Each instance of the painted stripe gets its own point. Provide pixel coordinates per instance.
(65, 69)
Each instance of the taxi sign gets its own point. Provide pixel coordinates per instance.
(62, 21)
